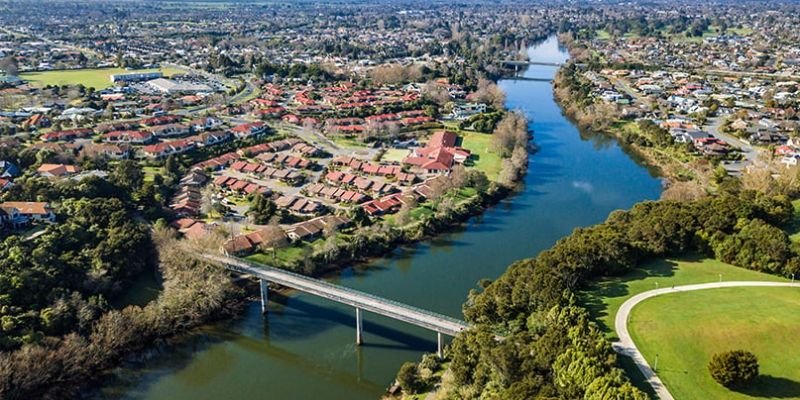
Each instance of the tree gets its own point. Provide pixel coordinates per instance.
(128, 175)
(10, 65)
(734, 369)
(262, 209)
(408, 378)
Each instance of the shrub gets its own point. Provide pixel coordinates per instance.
(733, 369)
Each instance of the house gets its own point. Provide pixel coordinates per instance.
(66, 135)
(18, 213)
(209, 138)
(313, 228)
(205, 124)
(439, 154)
(9, 170)
(249, 130)
(168, 130)
(131, 137)
(166, 149)
(107, 150)
(57, 170)
(268, 237)
(465, 110)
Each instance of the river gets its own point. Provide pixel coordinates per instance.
(305, 347)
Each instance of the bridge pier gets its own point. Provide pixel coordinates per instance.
(264, 295)
(359, 328)
(439, 345)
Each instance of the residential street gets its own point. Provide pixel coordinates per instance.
(749, 152)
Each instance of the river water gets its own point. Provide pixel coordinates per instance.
(305, 347)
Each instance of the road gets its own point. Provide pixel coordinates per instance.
(625, 345)
(749, 152)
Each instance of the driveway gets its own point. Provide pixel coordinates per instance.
(625, 345)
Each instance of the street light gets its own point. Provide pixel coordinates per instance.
(655, 366)
(720, 277)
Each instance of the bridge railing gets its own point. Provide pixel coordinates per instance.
(329, 285)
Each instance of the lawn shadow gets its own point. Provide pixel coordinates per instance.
(615, 287)
(773, 387)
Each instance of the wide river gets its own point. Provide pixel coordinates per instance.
(305, 347)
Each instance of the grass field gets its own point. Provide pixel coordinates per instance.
(686, 329)
(604, 297)
(395, 155)
(96, 78)
(483, 157)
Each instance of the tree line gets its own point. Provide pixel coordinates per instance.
(550, 346)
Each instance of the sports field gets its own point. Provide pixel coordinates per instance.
(96, 78)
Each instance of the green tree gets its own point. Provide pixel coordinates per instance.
(128, 175)
(734, 369)
(408, 378)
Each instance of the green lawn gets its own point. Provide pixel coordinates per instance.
(483, 157)
(395, 155)
(602, 34)
(97, 78)
(150, 172)
(604, 297)
(686, 329)
(283, 257)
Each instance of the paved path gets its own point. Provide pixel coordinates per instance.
(625, 345)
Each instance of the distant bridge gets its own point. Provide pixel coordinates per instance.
(524, 78)
(520, 63)
(441, 324)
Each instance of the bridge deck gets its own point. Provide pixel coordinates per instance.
(365, 301)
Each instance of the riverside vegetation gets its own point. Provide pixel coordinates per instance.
(551, 348)
(58, 331)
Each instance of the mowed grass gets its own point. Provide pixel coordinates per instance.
(394, 155)
(282, 257)
(98, 78)
(151, 172)
(686, 329)
(483, 157)
(603, 298)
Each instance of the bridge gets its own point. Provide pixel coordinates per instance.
(361, 301)
(520, 63)
(525, 78)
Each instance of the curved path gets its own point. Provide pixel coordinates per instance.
(625, 345)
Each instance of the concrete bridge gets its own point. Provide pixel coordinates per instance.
(520, 63)
(524, 78)
(441, 324)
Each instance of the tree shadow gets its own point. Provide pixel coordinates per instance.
(597, 291)
(772, 387)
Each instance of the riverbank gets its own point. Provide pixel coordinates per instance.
(673, 163)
